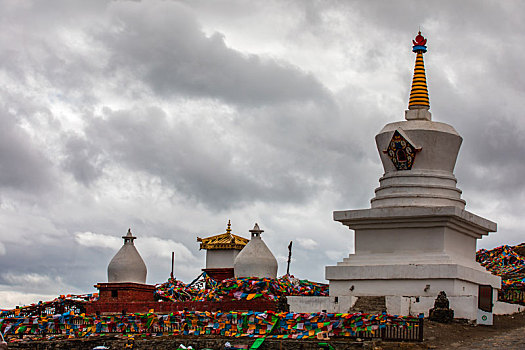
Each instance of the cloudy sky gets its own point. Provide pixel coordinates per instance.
(171, 117)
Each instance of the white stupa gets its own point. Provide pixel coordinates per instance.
(255, 259)
(127, 265)
(417, 239)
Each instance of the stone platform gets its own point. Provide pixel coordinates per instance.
(413, 251)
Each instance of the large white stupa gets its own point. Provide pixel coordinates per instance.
(127, 265)
(416, 239)
(255, 259)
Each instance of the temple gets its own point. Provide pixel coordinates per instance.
(417, 239)
(221, 251)
(227, 255)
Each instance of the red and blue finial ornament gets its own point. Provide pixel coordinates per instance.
(419, 43)
(419, 92)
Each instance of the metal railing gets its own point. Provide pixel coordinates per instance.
(513, 296)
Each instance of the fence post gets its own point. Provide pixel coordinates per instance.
(421, 320)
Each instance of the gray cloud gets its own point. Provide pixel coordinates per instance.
(165, 47)
(82, 159)
(186, 157)
(172, 117)
(22, 165)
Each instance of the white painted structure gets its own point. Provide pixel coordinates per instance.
(416, 239)
(501, 308)
(127, 265)
(255, 259)
(220, 258)
(312, 304)
(397, 305)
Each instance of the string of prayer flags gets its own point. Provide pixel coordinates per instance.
(507, 262)
(240, 288)
(230, 324)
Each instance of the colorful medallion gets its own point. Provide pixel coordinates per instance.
(401, 152)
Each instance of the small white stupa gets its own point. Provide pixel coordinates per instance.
(255, 259)
(127, 265)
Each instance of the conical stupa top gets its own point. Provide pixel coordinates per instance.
(127, 265)
(419, 92)
(256, 259)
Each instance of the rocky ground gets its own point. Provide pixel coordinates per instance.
(508, 332)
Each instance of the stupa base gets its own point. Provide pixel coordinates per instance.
(411, 289)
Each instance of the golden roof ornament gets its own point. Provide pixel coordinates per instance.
(225, 240)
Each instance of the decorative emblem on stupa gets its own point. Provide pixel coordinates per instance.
(402, 151)
(419, 92)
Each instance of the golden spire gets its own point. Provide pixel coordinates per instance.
(419, 93)
(229, 229)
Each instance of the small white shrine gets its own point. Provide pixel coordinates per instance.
(417, 239)
(127, 265)
(256, 259)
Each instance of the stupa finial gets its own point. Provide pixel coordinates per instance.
(128, 238)
(256, 231)
(419, 92)
(229, 228)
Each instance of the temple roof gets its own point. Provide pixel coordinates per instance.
(225, 240)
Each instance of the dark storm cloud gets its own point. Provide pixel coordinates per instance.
(484, 104)
(82, 159)
(165, 46)
(72, 264)
(46, 47)
(186, 157)
(22, 165)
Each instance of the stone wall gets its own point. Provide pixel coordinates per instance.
(200, 343)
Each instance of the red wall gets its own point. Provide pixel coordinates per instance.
(220, 274)
(126, 294)
(136, 297)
